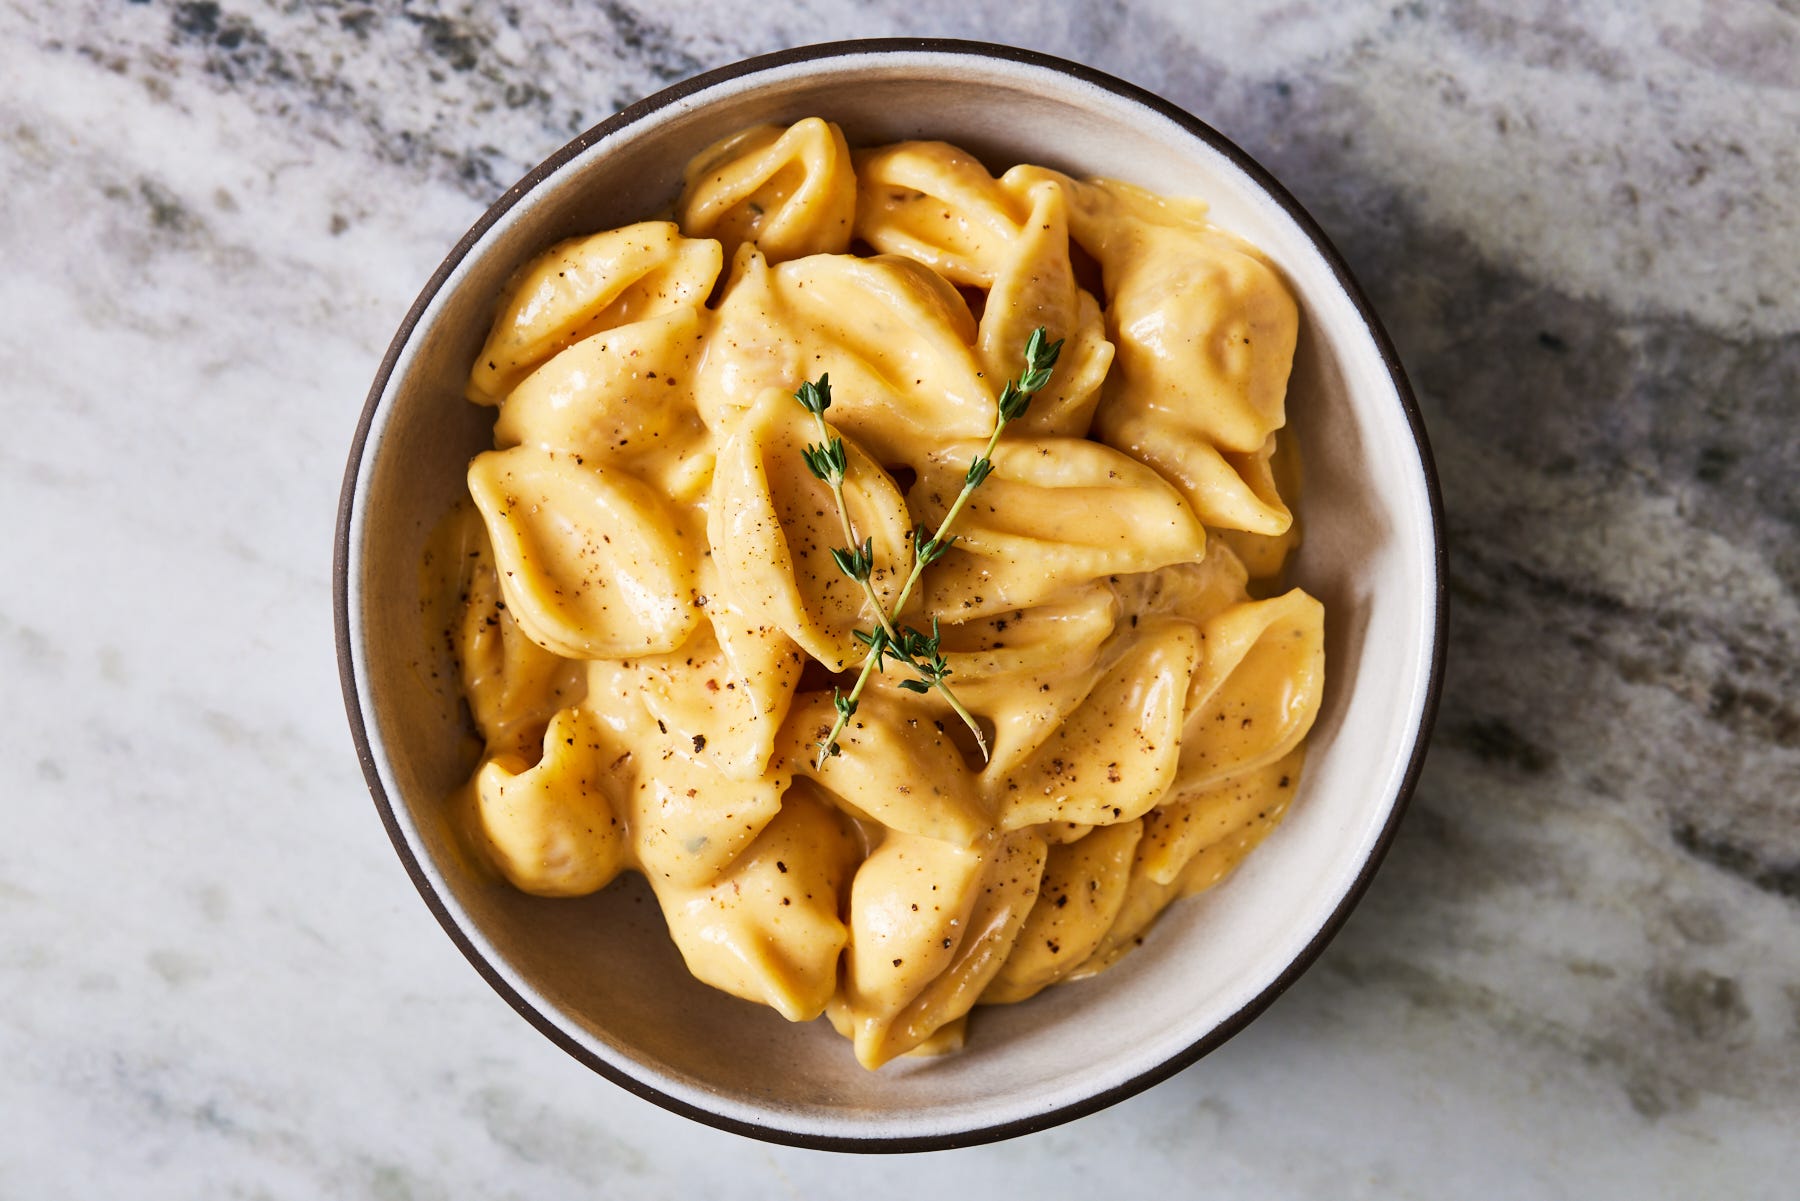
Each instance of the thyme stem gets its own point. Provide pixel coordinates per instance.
(835, 481)
(908, 644)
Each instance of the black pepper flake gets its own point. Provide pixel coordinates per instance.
(699, 743)
(781, 867)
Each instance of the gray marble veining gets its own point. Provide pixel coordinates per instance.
(1578, 974)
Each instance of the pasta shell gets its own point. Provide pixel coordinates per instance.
(1065, 407)
(1229, 491)
(1035, 286)
(551, 828)
(1033, 283)
(791, 192)
(1082, 892)
(732, 685)
(945, 1040)
(768, 929)
(937, 205)
(895, 339)
(1116, 754)
(512, 685)
(1217, 860)
(1143, 902)
(1017, 649)
(1195, 591)
(930, 926)
(1257, 689)
(591, 562)
(689, 821)
(1264, 555)
(1147, 893)
(621, 398)
(751, 350)
(772, 527)
(1054, 513)
(1024, 669)
(1222, 814)
(899, 765)
(1059, 833)
(910, 905)
(584, 285)
(1102, 210)
(1204, 331)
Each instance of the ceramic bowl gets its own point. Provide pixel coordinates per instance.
(599, 976)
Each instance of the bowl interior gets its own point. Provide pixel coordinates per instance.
(600, 974)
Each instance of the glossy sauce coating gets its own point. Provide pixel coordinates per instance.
(649, 623)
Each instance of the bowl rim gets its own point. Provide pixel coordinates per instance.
(674, 94)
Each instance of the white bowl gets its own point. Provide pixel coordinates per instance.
(599, 976)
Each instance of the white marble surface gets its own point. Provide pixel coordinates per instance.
(1579, 973)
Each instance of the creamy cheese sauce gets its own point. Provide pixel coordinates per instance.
(649, 624)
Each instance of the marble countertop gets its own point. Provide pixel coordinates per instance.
(1578, 974)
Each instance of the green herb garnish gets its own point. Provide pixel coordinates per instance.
(921, 652)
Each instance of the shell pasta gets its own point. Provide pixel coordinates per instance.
(656, 628)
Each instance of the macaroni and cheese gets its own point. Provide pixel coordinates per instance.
(652, 625)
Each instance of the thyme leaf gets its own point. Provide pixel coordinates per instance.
(922, 653)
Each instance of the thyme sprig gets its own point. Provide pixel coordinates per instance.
(923, 653)
(830, 462)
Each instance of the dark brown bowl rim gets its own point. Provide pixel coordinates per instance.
(1019, 1126)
